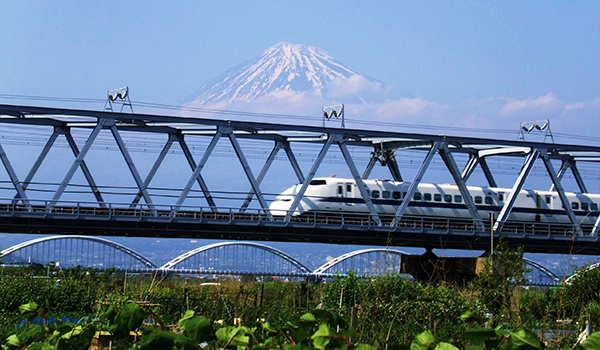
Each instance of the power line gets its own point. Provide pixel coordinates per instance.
(279, 116)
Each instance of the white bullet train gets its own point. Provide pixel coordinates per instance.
(440, 200)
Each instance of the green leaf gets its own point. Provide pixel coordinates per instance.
(156, 339)
(364, 347)
(269, 328)
(479, 335)
(592, 342)
(198, 328)
(40, 346)
(293, 347)
(29, 307)
(474, 347)
(422, 341)
(321, 337)
(110, 314)
(526, 340)
(129, 319)
(186, 343)
(14, 342)
(188, 315)
(470, 316)
(234, 336)
(445, 346)
(308, 320)
(299, 336)
(32, 333)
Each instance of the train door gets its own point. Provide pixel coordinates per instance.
(341, 192)
(345, 190)
(549, 203)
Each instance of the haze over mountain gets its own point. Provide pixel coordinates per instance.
(300, 80)
(284, 71)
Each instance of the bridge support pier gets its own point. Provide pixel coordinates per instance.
(431, 268)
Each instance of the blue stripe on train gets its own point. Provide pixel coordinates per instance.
(444, 205)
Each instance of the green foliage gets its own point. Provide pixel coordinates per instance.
(592, 342)
(387, 312)
(63, 336)
(582, 291)
(311, 331)
(391, 310)
(501, 275)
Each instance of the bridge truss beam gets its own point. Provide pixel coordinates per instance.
(386, 146)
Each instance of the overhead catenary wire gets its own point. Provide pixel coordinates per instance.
(37, 136)
(279, 116)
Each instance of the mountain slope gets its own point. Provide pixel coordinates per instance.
(283, 67)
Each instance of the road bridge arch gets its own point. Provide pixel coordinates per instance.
(238, 258)
(71, 251)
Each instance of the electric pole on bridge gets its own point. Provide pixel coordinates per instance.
(336, 112)
(120, 95)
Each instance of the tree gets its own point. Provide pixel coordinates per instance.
(503, 271)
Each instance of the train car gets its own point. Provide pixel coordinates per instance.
(440, 200)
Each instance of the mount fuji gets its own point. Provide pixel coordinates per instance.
(290, 72)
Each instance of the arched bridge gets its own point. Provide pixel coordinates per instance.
(226, 258)
(71, 251)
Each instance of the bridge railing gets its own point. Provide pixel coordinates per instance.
(333, 219)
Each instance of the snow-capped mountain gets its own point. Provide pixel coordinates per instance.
(283, 68)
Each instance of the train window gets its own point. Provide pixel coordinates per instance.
(396, 195)
(501, 197)
(594, 206)
(427, 196)
(348, 188)
(448, 198)
(478, 200)
(340, 189)
(375, 193)
(437, 197)
(458, 198)
(385, 194)
(489, 200)
(318, 182)
(575, 205)
(585, 206)
(548, 199)
(417, 196)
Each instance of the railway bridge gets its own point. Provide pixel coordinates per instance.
(74, 185)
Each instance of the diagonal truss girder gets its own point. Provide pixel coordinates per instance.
(362, 187)
(197, 169)
(567, 164)
(309, 177)
(255, 184)
(167, 125)
(132, 168)
(462, 187)
(412, 188)
(517, 187)
(77, 162)
(561, 192)
(14, 179)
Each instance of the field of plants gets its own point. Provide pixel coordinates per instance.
(387, 312)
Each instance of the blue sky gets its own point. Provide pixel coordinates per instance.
(475, 63)
(445, 52)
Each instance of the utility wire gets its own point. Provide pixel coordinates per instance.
(287, 116)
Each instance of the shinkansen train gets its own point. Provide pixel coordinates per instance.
(440, 200)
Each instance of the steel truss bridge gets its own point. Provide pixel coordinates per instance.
(195, 213)
(226, 258)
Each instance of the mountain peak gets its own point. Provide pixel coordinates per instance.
(283, 67)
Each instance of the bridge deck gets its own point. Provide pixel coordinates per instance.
(230, 224)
